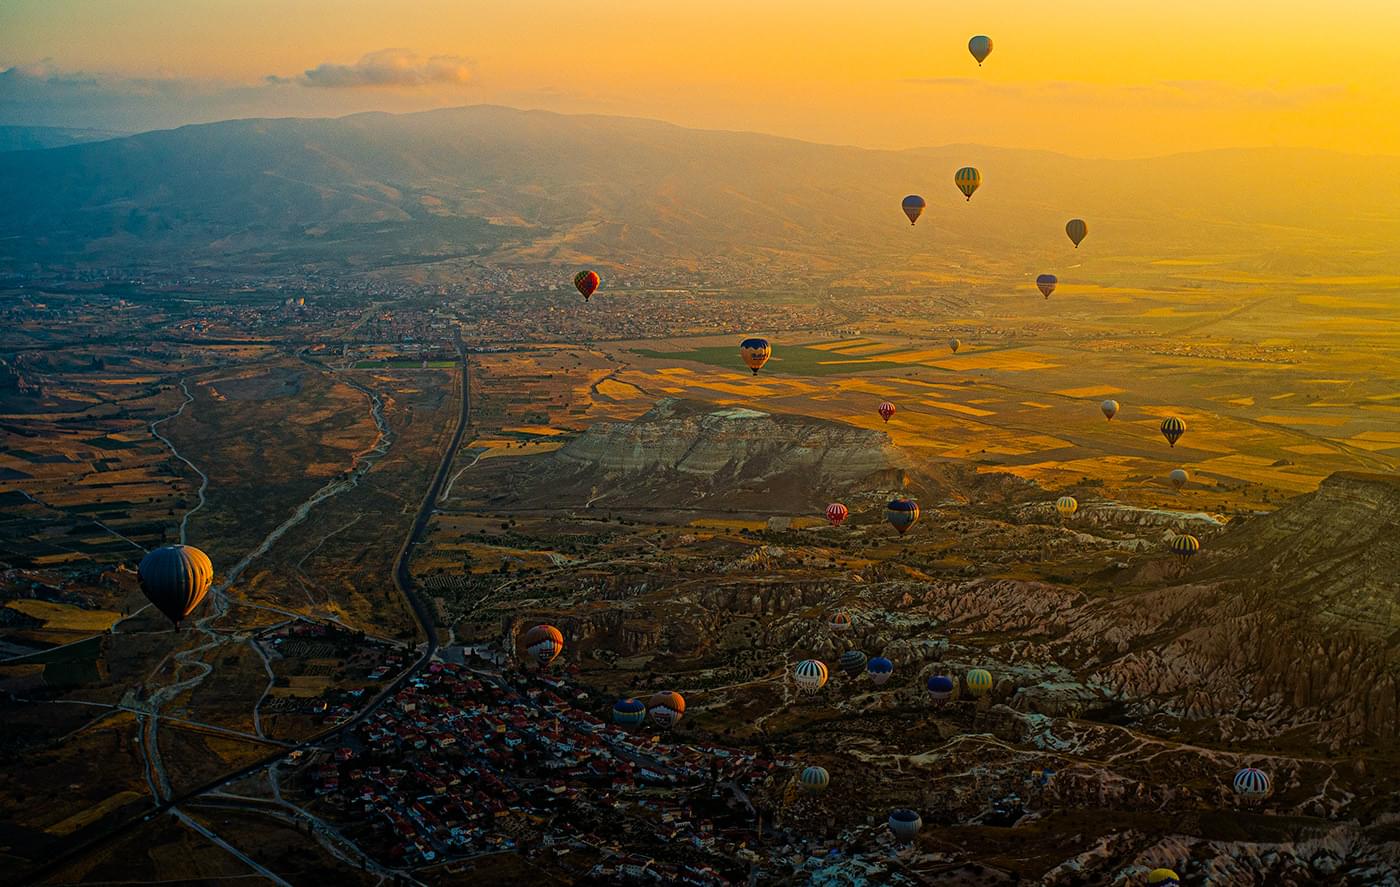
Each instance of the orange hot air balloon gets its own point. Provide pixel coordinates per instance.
(587, 282)
(666, 708)
(886, 410)
(545, 643)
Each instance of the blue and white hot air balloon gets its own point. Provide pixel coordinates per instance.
(879, 670)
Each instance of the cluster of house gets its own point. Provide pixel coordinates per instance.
(469, 759)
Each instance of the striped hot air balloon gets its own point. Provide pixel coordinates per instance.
(545, 643)
(980, 47)
(902, 514)
(979, 682)
(914, 207)
(840, 620)
(1066, 506)
(1178, 477)
(941, 688)
(968, 180)
(810, 675)
(1172, 429)
(886, 409)
(905, 824)
(954, 345)
(1163, 876)
(837, 513)
(755, 353)
(852, 662)
(629, 712)
(1109, 408)
(815, 780)
(1077, 231)
(175, 578)
(1185, 546)
(666, 708)
(587, 282)
(879, 670)
(1252, 785)
(1046, 283)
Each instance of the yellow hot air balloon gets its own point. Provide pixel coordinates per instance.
(968, 179)
(1066, 505)
(755, 353)
(1077, 230)
(1185, 547)
(1163, 877)
(979, 682)
(1172, 429)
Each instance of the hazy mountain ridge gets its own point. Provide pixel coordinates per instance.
(35, 138)
(536, 187)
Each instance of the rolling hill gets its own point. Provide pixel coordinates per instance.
(533, 187)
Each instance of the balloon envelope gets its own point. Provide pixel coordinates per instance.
(968, 180)
(1110, 409)
(1077, 230)
(902, 514)
(837, 513)
(1046, 283)
(587, 282)
(879, 669)
(1252, 784)
(755, 353)
(1066, 505)
(544, 642)
(1185, 547)
(852, 662)
(175, 578)
(810, 675)
(815, 779)
(1172, 429)
(980, 47)
(954, 344)
(979, 681)
(666, 708)
(941, 687)
(1178, 477)
(914, 207)
(886, 409)
(629, 712)
(905, 824)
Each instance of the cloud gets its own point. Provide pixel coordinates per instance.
(392, 68)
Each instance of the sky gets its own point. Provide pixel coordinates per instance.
(1095, 78)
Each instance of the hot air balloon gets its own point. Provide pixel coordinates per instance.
(1163, 876)
(810, 675)
(879, 670)
(1077, 230)
(544, 642)
(1172, 429)
(902, 514)
(1066, 505)
(886, 409)
(941, 688)
(837, 513)
(1178, 477)
(840, 621)
(175, 578)
(815, 780)
(968, 179)
(666, 708)
(954, 344)
(852, 662)
(587, 282)
(755, 353)
(914, 207)
(1252, 785)
(980, 47)
(1185, 547)
(905, 824)
(1047, 283)
(979, 681)
(1110, 409)
(629, 712)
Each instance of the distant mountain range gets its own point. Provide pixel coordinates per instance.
(509, 186)
(31, 138)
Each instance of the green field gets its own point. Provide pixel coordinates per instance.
(793, 359)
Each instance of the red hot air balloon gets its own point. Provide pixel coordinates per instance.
(587, 282)
(886, 410)
(837, 513)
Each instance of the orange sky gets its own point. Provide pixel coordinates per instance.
(1086, 77)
